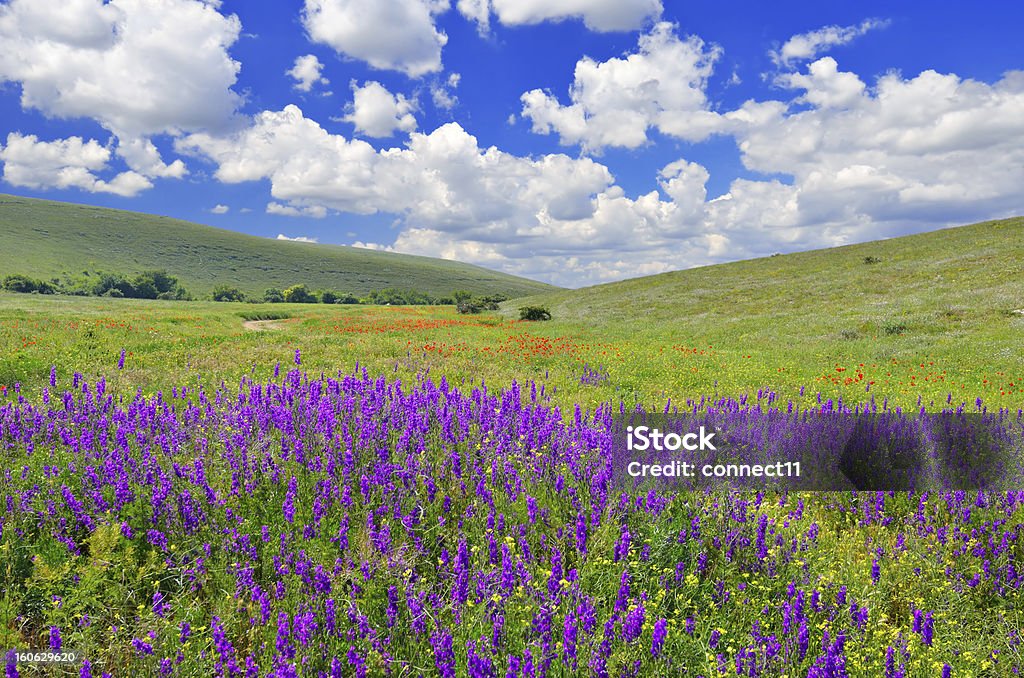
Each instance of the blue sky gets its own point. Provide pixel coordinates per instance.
(572, 141)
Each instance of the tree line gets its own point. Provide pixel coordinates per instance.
(154, 284)
(158, 284)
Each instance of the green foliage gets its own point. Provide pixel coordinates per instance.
(299, 294)
(534, 313)
(145, 285)
(872, 260)
(327, 297)
(27, 285)
(391, 296)
(273, 296)
(227, 293)
(478, 304)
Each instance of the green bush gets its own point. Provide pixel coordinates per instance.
(25, 284)
(465, 304)
(299, 294)
(273, 296)
(226, 293)
(534, 313)
(145, 285)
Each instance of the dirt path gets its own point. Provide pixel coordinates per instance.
(263, 325)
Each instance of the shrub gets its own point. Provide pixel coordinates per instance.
(390, 296)
(894, 328)
(328, 297)
(226, 293)
(299, 294)
(465, 304)
(534, 313)
(145, 285)
(872, 260)
(24, 284)
(273, 296)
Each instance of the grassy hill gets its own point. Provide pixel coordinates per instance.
(956, 293)
(44, 238)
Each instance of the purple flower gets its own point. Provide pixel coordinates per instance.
(283, 642)
(353, 657)
(141, 646)
(444, 657)
(927, 629)
(120, 361)
(570, 632)
(632, 625)
(658, 636)
(160, 605)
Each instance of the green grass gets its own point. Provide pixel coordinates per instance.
(934, 317)
(947, 301)
(44, 239)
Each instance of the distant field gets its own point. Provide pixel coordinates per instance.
(44, 238)
(934, 316)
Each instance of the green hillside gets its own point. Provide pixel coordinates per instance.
(44, 238)
(951, 292)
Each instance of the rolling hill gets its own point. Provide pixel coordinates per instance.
(45, 238)
(933, 291)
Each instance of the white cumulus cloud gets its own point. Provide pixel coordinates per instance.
(443, 93)
(306, 73)
(840, 160)
(614, 103)
(314, 211)
(139, 68)
(395, 35)
(64, 163)
(809, 45)
(376, 112)
(220, 209)
(300, 238)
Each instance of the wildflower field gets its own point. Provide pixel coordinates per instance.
(400, 491)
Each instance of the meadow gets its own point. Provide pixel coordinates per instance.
(198, 488)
